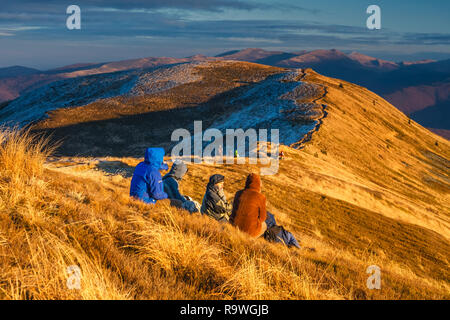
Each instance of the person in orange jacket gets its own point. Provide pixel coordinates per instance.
(249, 208)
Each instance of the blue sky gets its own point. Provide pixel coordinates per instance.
(33, 33)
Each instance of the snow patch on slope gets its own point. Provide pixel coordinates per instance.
(263, 107)
(34, 105)
(164, 79)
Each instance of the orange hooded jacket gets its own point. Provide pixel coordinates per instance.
(249, 207)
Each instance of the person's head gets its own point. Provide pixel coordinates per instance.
(253, 182)
(178, 170)
(217, 180)
(155, 158)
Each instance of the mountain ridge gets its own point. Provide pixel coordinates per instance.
(419, 89)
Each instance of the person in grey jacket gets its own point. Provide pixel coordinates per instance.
(215, 204)
(171, 181)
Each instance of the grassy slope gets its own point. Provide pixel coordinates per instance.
(395, 167)
(369, 188)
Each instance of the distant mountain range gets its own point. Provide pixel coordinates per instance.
(16, 80)
(419, 88)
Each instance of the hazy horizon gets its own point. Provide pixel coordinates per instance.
(388, 57)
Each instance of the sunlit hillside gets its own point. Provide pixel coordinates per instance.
(366, 186)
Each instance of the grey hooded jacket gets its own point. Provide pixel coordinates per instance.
(171, 180)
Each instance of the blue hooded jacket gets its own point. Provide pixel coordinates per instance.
(277, 233)
(146, 183)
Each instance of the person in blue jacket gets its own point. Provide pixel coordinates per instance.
(146, 184)
(276, 233)
(279, 234)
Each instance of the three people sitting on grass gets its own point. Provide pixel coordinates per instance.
(248, 212)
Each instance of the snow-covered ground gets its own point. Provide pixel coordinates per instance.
(264, 106)
(81, 91)
(165, 78)
(33, 105)
(269, 104)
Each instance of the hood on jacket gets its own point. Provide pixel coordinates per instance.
(155, 158)
(253, 182)
(215, 179)
(178, 170)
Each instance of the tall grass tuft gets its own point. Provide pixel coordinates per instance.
(22, 153)
(22, 158)
(35, 246)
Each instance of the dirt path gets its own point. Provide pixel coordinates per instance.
(302, 143)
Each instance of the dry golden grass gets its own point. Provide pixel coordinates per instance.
(368, 154)
(129, 250)
(336, 195)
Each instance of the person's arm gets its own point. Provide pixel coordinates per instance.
(218, 205)
(292, 240)
(212, 207)
(173, 185)
(262, 210)
(235, 207)
(156, 186)
(228, 206)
